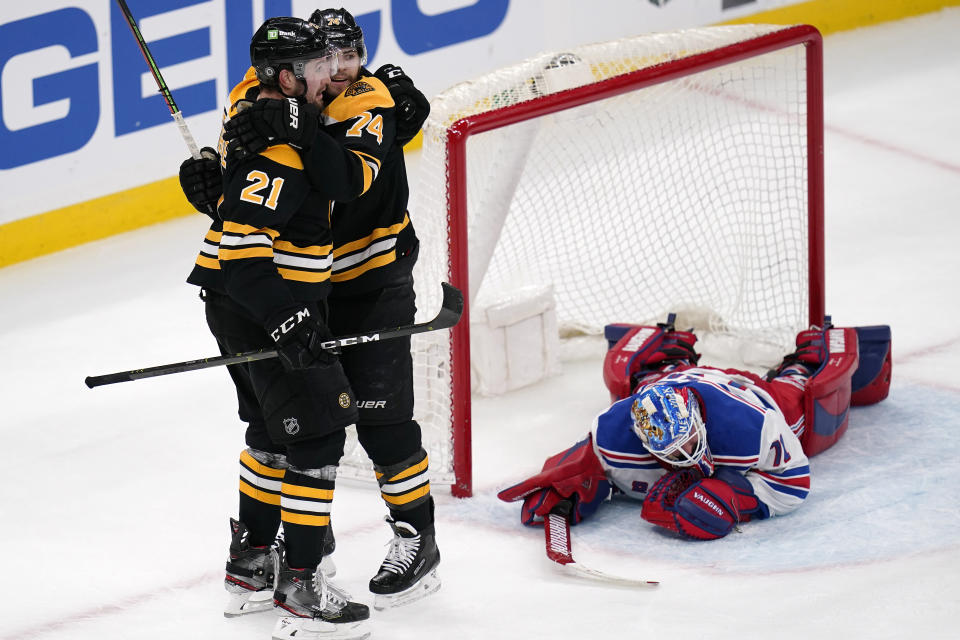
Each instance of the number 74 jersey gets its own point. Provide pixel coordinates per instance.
(746, 432)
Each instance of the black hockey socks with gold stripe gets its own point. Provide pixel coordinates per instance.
(305, 499)
(406, 490)
(261, 475)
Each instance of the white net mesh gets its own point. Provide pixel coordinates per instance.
(687, 196)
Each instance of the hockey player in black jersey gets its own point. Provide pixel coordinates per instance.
(265, 277)
(356, 159)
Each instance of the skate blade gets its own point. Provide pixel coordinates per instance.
(241, 604)
(430, 583)
(290, 628)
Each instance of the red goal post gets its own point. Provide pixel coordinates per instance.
(641, 176)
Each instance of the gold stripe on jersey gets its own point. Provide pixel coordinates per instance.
(283, 154)
(208, 263)
(238, 229)
(369, 265)
(310, 264)
(241, 241)
(364, 94)
(209, 249)
(353, 259)
(371, 167)
(312, 277)
(405, 485)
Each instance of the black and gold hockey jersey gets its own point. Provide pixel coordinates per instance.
(360, 167)
(272, 247)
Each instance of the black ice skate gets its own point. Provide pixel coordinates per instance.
(313, 607)
(409, 572)
(250, 576)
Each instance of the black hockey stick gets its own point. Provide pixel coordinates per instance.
(449, 315)
(164, 90)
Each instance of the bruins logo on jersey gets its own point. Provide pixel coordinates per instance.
(358, 88)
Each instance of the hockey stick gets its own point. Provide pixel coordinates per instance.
(448, 316)
(164, 90)
(556, 532)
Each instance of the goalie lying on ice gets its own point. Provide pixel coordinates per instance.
(707, 448)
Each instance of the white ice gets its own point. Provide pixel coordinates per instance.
(114, 501)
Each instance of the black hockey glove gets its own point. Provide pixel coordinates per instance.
(412, 106)
(201, 181)
(270, 122)
(299, 337)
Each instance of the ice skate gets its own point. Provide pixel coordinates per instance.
(312, 607)
(409, 572)
(250, 574)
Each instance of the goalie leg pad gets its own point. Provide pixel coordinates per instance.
(635, 351)
(871, 380)
(827, 394)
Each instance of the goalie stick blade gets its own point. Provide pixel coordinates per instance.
(586, 572)
(556, 532)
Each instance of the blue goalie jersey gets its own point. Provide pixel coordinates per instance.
(746, 432)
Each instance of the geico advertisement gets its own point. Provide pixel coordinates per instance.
(82, 116)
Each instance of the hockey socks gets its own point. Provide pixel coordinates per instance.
(305, 499)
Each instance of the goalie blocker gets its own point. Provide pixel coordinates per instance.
(856, 371)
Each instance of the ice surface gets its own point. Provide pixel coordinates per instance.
(114, 501)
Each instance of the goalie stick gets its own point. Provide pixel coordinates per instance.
(158, 78)
(556, 533)
(450, 311)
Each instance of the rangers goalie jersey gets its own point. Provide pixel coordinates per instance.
(746, 432)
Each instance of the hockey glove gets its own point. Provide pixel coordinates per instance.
(299, 336)
(412, 107)
(201, 181)
(699, 508)
(269, 122)
(574, 475)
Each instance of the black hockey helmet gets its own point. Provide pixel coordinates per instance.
(341, 30)
(285, 43)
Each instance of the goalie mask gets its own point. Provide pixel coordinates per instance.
(289, 43)
(669, 423)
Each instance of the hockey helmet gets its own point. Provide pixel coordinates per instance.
(287, 43)
(670, 424)
(341, 30)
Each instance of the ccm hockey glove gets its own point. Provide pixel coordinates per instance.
(269, 122)
(201, 181)
(299, 336)
(412, 107)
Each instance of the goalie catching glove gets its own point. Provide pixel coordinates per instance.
(269, 122)
(573, 475)
(299, 336)
(701, 508)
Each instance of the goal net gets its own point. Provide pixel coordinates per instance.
(672, 172)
